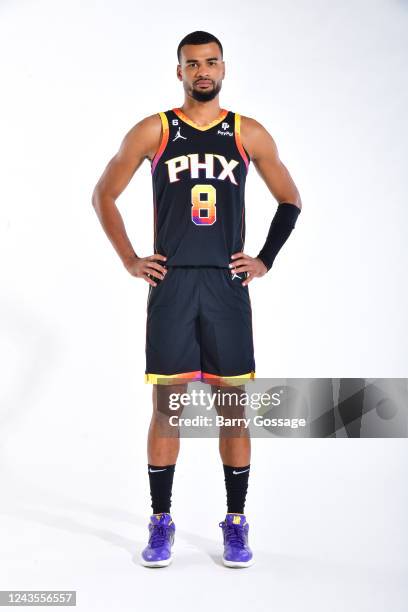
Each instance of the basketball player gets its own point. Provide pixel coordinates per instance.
(199, 324)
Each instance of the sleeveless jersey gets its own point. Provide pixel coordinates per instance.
(198, 175)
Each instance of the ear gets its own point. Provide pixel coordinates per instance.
(179, 72)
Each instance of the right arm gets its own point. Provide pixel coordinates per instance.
(140, 143)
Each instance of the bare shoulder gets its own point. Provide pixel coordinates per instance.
(138, 144)
(143, 138)
(255, 137)
(250, 124)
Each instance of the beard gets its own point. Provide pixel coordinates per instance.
(206, 96)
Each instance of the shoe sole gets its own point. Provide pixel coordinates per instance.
(161, 563)
(238, 563)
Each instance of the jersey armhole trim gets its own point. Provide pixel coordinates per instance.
(163, 142)
(244, 154)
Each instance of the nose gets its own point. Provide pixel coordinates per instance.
(202, 74)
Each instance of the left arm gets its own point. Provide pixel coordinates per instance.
(264, 154)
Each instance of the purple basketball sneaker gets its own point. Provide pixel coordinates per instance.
(236, 549)
(162, 531)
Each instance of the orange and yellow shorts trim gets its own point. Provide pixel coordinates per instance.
(186, 377)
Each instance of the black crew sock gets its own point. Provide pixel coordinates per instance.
(236, 484)
(161, 483)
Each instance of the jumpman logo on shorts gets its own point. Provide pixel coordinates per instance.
(178, 135)
(236, 276)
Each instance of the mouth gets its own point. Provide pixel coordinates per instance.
(203, 84)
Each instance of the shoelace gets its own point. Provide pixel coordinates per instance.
(234, 534)
(158, 535)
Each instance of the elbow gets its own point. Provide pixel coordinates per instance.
(94, 198)
(102, 201)
(294, 199)
(297, 200)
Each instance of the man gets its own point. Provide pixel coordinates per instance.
(199, 324)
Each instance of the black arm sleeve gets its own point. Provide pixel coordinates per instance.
(281, 227)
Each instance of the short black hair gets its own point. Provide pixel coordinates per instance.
(198, 38)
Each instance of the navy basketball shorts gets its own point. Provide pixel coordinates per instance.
(199, 327)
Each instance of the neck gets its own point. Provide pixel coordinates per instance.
(201, 112)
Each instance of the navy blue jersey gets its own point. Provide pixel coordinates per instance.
(198, 176)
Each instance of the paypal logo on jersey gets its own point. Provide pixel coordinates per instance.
(190, 163)
(225, 126)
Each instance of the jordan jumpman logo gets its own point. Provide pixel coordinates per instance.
(178, 135)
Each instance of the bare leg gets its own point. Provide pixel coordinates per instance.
(163, 442)
(234, 442)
